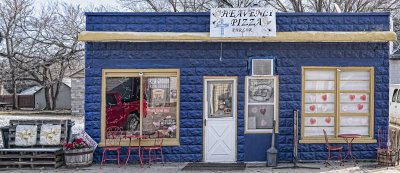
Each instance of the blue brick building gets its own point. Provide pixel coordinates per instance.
(294, 62)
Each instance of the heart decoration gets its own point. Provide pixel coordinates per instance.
(363, 97)
(350, 120)
(364, 121)
(324, 97)
(312, 98)
(313, 121)
(324, 108)
(328, 120)
(263, 122)
(262, 111)
(344, 108)
(352, 97)
(312, 108)
(254, 110)
(360, 107)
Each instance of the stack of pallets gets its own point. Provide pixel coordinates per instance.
(37, 156)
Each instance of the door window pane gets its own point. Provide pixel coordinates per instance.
(261, 90)
(219, 99)
(260, 116)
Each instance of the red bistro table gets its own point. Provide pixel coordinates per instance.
(134, 147)
(347, 138)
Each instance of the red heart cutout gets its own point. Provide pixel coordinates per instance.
(312, 108)
(324, 97)
(262, 111)
(313, 121)
(363, 97)
(360, 106)
(352, 97)
(328, 120)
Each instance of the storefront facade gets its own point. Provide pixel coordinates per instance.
(203, 91)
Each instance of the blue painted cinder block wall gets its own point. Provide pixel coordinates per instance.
(196, 60)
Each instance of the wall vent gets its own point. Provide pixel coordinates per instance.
(262, 67)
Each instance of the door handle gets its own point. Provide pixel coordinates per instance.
(205, 122)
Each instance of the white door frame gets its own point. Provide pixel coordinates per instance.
(234, 109)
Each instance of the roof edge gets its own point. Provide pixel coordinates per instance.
(207, 14)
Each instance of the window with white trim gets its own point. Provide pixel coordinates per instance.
(261, 105)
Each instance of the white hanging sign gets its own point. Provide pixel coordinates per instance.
(242, 22)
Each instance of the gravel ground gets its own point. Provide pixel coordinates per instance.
(363, 167)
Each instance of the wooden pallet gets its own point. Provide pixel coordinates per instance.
(32, 158)
(37, 156)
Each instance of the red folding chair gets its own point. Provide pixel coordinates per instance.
(112, 142)
(333, 148)
(158, 141)
(384, 145)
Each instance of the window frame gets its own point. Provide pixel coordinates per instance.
(170, 72)
(276, 105)
(337, 114)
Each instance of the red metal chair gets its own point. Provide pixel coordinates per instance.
(384, 145)
(158, 141)
(333, 148)
(112, 142)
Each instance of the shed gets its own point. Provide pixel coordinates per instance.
(63, 99)
(333, 67)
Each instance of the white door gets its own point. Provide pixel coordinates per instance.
(220, 120)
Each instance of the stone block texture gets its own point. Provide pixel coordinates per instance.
(78, 96)
(196, 60)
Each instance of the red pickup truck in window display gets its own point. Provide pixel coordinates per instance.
(123, 113)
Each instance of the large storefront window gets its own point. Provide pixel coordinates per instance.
(142, 102)
(261, 107)
(338, 100)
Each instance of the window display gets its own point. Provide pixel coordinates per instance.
(144, 104)
(261, 104)
(337, 93)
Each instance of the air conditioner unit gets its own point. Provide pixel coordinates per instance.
(262, 67)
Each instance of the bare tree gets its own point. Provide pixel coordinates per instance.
(13, 13)
(41, 47)
(52, 47)
(280, 5)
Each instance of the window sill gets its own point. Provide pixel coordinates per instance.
(336, 141)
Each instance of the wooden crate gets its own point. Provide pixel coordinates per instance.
(32, 158)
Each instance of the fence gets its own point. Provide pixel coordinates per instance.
(24, 101)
